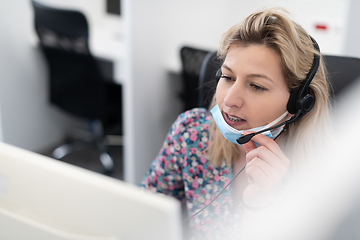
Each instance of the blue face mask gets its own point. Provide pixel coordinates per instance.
(232, 134)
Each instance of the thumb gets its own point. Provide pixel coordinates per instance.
(249, 145)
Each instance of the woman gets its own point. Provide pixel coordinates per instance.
(265, 58)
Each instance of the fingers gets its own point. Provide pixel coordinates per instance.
(249, 146)
(267, 164)
(265, 142)
(269, 144)
(268, 156)
(264, 175)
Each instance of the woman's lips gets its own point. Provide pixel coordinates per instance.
(233, 121)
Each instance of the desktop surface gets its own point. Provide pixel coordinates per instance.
(43, 198)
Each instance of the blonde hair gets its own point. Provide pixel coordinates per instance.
(274, 29)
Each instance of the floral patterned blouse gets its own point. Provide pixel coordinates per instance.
(183, 171)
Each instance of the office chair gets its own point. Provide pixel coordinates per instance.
(191, 59)
(342, 72)
(207, 79)
(77, 84)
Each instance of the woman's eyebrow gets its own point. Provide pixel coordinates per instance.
(254, 75)
(226, 67)
(260, 76)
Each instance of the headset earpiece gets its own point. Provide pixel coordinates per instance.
(307, 103)
(296, 102)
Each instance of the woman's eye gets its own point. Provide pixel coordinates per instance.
(257, 87)
(227, 78)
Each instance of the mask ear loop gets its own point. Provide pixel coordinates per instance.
(283, 130)
(288, 122)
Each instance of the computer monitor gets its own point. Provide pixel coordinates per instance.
(43, 198)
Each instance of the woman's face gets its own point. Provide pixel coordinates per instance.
(252, 91)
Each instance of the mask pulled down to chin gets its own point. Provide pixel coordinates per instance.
(232, 134)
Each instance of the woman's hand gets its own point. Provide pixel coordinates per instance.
(266, 168)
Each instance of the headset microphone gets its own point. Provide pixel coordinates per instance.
(246, 138)
(300, 101)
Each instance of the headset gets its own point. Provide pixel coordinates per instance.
(300, 102)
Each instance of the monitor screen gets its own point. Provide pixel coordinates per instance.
(43, 198)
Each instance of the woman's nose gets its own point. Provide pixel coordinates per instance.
(235, 96)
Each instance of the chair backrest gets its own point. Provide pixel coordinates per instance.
(76, 85)
(61, 29)
(342, 71)
(207, 79)
(192, 59)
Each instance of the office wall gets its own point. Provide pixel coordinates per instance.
(352, 34)
(28, 120)
(201, 23)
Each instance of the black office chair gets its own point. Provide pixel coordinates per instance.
(343, 72)
(207, 79)
(191, 59)
(77, 84)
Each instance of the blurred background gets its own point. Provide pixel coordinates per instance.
(142, 41)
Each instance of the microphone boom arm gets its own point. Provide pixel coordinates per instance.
(246, 138)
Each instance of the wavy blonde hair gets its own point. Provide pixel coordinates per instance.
(273, 28)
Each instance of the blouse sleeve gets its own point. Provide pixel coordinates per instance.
(165, 173)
